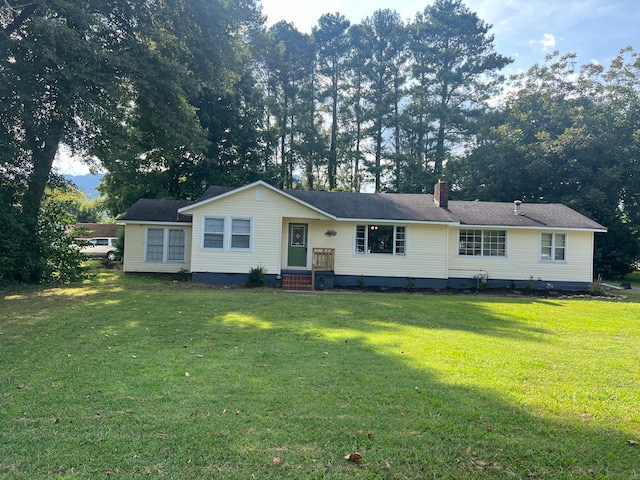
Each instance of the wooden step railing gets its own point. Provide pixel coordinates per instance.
(322, 259)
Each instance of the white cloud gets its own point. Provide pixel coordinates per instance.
(548, 41)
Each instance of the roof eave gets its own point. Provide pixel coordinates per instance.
(397, 220)
(153, 222)
(532, 227)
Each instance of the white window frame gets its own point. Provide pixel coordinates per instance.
(228, 234)
(554, 247)
(165, 245)
(361, 243)
(204, 233)
(483, 246)
(235, 234)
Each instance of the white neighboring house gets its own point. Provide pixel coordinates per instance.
(317, 239)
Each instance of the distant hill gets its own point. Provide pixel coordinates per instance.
(87, 182)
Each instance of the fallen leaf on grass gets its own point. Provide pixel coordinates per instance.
(277, 461)
(21, 386)
(370, 436)
(353, 457)
(57, 420)
(194, 414)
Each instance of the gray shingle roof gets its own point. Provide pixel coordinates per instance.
(214, 191)
(538, 215)
(99, 229)
(391, 206)
(381, 206)
(149, 210)
(421, 208)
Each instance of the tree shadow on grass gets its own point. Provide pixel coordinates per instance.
(448, 313)
(433, 426)
(307, 379)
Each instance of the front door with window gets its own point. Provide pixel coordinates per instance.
(297, 250)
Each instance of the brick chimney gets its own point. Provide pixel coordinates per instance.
(441, 194)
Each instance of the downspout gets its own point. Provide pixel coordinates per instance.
(446, 255)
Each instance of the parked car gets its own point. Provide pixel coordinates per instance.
(101, 247)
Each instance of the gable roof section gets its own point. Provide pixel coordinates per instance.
(157, 211)
(405, 207)
(216, 192)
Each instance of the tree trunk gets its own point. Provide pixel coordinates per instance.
(333, 150)
(439, 160)
(442, 125)
(43, 158)
(378, 165)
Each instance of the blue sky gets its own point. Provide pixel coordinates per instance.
(525, 30)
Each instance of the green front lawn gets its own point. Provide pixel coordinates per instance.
(122, 377)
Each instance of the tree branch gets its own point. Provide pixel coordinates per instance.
(27, 10)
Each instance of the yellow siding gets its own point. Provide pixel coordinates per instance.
(268, 238)
(523, 259)
(134, 254)
(425, 256)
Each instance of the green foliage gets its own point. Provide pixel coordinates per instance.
(455, 66)
(120, 242)
(571, 138)
(596, 288)
(183, 275)
(169, 102)
(410, 283)
(257, 277)
(52, 254)
(62, 260)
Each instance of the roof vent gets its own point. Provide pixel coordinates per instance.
(517, 210)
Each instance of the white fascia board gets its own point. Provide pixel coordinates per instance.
(147, 222)
(397, 221)
(514, 227)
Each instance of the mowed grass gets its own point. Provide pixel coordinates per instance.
(123, 377)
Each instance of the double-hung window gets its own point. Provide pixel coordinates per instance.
(213, 236)
(240, 233)
(227, 233)
(165, 245)
(381, 239)
(484, 243)
(553, 247)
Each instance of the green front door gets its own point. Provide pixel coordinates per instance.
(297, 251)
